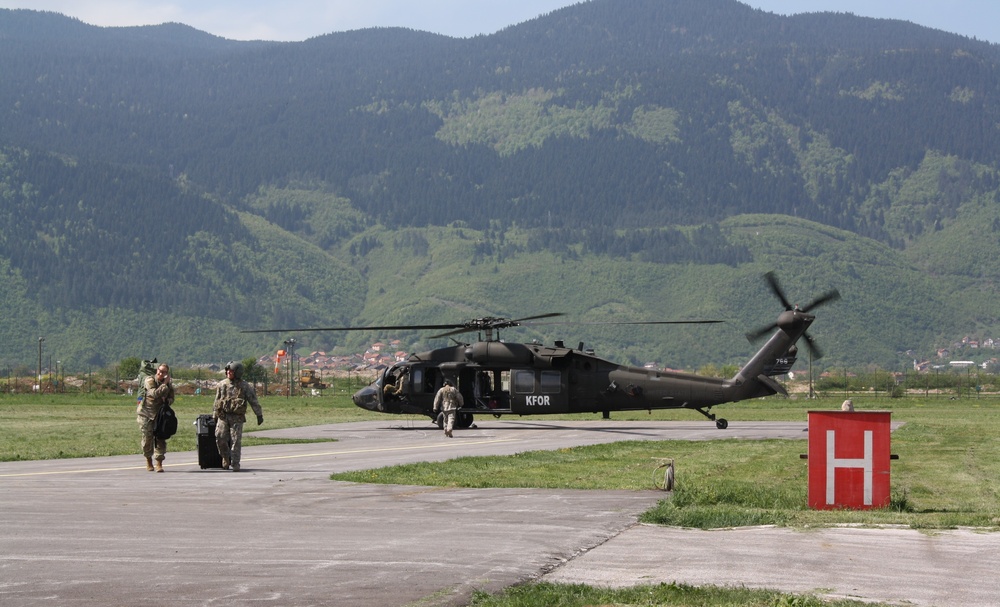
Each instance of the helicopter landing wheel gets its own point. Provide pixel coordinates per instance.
(463, 420)
(439, 420)
(721, 424)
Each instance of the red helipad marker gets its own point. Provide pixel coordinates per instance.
(849, 457)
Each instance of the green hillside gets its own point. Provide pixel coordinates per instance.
(441, 275)
(162, 189)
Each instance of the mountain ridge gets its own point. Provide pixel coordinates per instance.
(351, 178)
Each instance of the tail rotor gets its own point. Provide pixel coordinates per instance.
(825, 298)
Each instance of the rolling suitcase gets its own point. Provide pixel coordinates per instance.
(208, 450)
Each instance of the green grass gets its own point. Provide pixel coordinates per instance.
(949, 460)
(660, 595)
(87, 425)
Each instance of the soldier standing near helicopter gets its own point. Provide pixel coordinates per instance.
(231, 400)
(448, 400)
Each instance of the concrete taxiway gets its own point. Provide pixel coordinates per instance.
(103, 531)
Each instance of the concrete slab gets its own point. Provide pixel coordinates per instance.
(899, 566)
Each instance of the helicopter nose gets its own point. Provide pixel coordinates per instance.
(366, 398)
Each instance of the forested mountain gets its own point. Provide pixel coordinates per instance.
(163, 188)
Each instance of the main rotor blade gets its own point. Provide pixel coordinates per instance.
(516, 323)
(491, 324)
(827, 297)
(549, 315)
(481, 324)
(370, 328)
(469, 325)
(632, 322)
(458, 331)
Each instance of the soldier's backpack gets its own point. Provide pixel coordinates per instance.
(146, 369)
(165, 423)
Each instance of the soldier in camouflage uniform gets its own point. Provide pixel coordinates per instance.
(159, 391)
(449, 400)
(231, 400)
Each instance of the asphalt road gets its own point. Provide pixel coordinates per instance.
(105, 532)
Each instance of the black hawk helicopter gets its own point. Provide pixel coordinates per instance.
(499, 378)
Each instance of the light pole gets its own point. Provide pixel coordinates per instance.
(812, 394)
(290, 349)
(288, 373)
(39, 384)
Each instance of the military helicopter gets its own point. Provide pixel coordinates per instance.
(499, 378)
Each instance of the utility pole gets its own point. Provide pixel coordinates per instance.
(290, 349)
(812, 394)
(39, 384)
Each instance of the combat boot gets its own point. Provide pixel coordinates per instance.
(225, 463)
(159, 465)
(149, 464)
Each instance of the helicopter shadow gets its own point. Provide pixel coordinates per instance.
(529, 426)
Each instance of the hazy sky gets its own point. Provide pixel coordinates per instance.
(301, 19)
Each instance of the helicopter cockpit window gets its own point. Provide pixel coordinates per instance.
(524, 382)
(551, 382)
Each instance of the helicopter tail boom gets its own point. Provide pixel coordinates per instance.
(753, 379)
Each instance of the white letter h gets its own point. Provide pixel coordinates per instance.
(832, 463)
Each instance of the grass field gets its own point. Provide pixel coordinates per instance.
(52, 426)
(946, 474)
(660, 595)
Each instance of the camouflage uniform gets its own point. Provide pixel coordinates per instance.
(157, 394)
(449, 400)
(396, 389)
(231, 400)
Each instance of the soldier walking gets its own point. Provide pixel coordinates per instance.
(231, 400)
(159, 392)
(449, 400)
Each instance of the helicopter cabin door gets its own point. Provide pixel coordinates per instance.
(538, 391)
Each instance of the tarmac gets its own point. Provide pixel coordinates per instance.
(105, 532)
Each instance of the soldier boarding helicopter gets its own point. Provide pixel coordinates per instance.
(499, 378)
